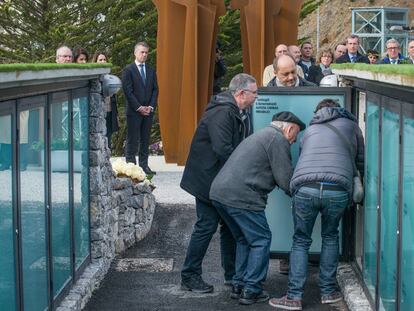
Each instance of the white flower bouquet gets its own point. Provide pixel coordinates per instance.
(124, 169)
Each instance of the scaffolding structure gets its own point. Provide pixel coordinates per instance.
(372, 25)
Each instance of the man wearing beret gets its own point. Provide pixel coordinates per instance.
(239, 192)
(322, 183)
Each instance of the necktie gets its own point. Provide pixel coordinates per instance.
(353, 59)
(393, 61)
(141, 72)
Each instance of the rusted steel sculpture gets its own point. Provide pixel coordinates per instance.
(187, 33)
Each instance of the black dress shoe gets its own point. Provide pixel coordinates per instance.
(148, 171)
(249, 298)
(196, 285)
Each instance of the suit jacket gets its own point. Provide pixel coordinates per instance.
(345, 59)
(401, 59)
(302, 82)
(136, 92)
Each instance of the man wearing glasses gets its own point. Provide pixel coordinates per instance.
(411, 51)
(394, 56)
(223, 126)
(64, 55)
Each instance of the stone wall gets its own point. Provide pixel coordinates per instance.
(121, 212)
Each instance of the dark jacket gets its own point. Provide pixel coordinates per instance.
(136, 91)
(219, 132)
(112, 117)
(302, 82)
(323, 156)
(401, 59)
(315, 74)
(304, 67)
(345, 59)
(259, 164)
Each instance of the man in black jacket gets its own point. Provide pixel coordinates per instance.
(139, 82)
(352, 56)
(224, 125)
(322, 183)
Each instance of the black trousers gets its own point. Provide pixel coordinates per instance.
(138, 135)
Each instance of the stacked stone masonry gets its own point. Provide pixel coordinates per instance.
(121, 211)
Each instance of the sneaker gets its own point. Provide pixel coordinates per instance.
(249, 298)
(285, 303)
(236, 291)
(332, 298)
(196, 285)
(284, 266)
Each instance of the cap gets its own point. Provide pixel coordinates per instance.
(287, 116)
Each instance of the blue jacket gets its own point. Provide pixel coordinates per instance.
(386, 60)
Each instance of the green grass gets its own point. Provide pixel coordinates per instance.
(50, 66)
(406, 70)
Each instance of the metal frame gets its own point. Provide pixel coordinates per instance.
(13, 107)
(381, 34)
(397, 99)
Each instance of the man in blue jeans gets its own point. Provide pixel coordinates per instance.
(321, 183)
(239, 192)
(223, 126)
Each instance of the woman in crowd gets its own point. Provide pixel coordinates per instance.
(322, 66)
(110, 103)
(372, 56)
(80, 56)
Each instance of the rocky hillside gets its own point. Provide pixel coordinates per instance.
(335, 19)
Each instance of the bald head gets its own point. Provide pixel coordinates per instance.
(281, 49)
(294, 50)
(285, 70)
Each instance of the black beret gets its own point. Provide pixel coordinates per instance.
(287, 116)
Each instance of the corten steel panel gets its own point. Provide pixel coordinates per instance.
(187, 32)
(265, 24)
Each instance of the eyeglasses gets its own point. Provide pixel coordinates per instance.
(66, 56)
(393, 48)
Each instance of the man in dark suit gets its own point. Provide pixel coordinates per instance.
(139, 82)
(353, 56)
(393, 56)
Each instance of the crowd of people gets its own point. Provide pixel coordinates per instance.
(230, 170)
(314, 69)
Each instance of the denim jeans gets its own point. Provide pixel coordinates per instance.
(253, 236)
(307, 204)
(206, 225)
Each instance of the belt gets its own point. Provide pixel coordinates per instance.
(324, 186)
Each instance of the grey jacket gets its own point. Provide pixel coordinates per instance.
(324, 157)
(259, 164)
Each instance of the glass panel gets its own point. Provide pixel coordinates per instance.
(60, 210)
(407, 258)
(81, 177)
(7, 259)
(371, 197)
(389, 208)
(32, 187)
